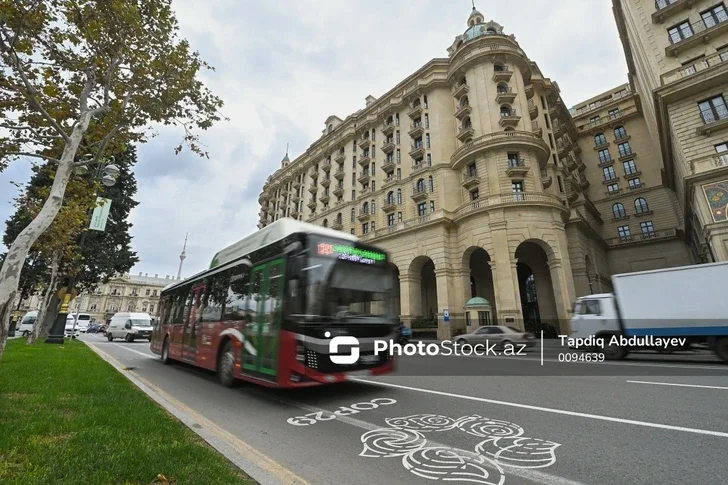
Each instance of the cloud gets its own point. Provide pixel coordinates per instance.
(283, 67)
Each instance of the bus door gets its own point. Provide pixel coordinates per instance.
(192, 324)
(260, 355)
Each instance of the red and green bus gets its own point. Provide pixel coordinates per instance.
(268, 307)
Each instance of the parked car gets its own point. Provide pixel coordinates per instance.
(501, 335)
(71, 331)
(93, 328)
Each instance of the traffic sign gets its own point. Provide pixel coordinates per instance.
(446, 315)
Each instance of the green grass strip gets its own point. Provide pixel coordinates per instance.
(67, 416)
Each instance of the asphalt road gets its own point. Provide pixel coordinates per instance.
(650, 420)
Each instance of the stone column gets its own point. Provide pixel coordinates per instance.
(443, 278)
(562, 295)
(409, 298)
(505, 285)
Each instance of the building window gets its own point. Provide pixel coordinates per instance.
(629, 167)
(634, 183)
(390, 197)
(365, 228)
(648, 230)
(397, 134)
(609, 173)
(151, 308)
(680, 32)
(595, 120)
(624, 233)
(147, 292)
(154, 292)
(640, 205)
(431, 183)
(625, 149)
(353, 214)
(714, 16)
(604, 156)
(600, 139)
(365, 208)
(390, 219)
(427, 120)
(399, 155)
(561, 186)
(619, 211)
(351, 230)
(326, 223)
(474, 194)
(713, 109)
(613, 189)
(399, 196)
(373, 206)
(374, 185)
(432, 206)
(399, 174)
(420, 185)
(517, 188)
(472, 171)
(620, 132)
(429, 160)
(427, 140)
(422, 209)
(399, 217)
(353, 195)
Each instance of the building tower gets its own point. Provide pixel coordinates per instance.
(182, 257)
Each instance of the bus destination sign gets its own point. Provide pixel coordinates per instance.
(357, 255)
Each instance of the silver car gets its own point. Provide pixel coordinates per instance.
(501, 335)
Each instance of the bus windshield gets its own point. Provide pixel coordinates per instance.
(343, 290)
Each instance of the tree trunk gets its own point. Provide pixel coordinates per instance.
(18, 251)
(51, 290)
(50, 315)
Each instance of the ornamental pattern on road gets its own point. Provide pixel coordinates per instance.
(504, 446)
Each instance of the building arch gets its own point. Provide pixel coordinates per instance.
(534, 258)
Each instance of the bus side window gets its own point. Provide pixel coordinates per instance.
(214, 299)
(236, 304)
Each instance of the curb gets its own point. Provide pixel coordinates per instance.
(259, 466)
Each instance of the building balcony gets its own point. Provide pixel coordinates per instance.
(465, 133)
(363, 216)
(685, 71)
(505, 95)
(326, 165)
(389, 206)
(564, 145)
(339, 190)
(340, 156)
(364, 192)
(559, 128)
(700, 32)
(312, 205)
(417, 150)
(364, 160)
(708, 163)
(363, 178)
(388, 146)
(388, 128)
(295, 198)
(646, 237)
(324, 198)
(460, 89)
(532, 109)
(536, 128)
(571, 162)
(509, 118)
(462, 111)
(388, 166)
(546, 180)
(418, 167)
(606, 162)
(636, 186)
(517, 167)
(389, 181)
(296, 184)
(667, 8)
(504, 75)
(314, 173)
(612, 193)
(501, 200)
(419, 194)
(364, 143)
(713, 121)
(337, 226)
(415, 111)
(584, 182)
(416, 130)
(325, 182)
(470, 179)
(313, 189)
(294, 213)
(339, 174)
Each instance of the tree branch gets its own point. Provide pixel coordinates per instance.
(31, 92)
(36, 155)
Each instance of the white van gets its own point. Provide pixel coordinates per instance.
(83, 320)
(26, 324)
(130, 326)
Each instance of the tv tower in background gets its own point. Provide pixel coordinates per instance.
(182, 257)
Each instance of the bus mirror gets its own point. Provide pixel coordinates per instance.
(246, 262)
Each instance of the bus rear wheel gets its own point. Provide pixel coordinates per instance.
(721, 349)
(226, 366)
(165, 352)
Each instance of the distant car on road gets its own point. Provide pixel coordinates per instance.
(130, 326)
(70, 331)
(501, 335)
(26, 323)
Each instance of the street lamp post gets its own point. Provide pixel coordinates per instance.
(106, 172)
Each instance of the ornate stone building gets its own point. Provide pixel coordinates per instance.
(479, 181)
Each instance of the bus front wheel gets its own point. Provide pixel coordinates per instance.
(165, 352)
(226, 366)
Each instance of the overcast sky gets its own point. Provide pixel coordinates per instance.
(284, 66)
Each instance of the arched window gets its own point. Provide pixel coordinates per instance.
(491, 30)
(365, 208)
(390, 120)
(399, 196)
(353, 214)
(421, 185)
(505, 111)
(620, 132)
(499, 68)
(339, 218)
(373, 206)
(464, 101)
(326, 223)
(431, 184)
(467, 123)
(640, 205)
(600, 139)
(390, 197)
(502, 88)
(618, 210)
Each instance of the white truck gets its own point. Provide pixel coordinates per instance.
(667, 310)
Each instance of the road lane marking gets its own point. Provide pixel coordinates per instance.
(525, 473)
(635, 422)
(135, 351)
(190, 417)
(678, 385)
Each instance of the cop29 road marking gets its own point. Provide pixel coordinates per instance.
(633, 422)
(320, 415)
(678, 385)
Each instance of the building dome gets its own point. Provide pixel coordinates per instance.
(475, 17)
(477, 301)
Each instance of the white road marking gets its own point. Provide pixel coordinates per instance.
(528, 474)
(143, 354)
(634, 422)
(678, 385)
